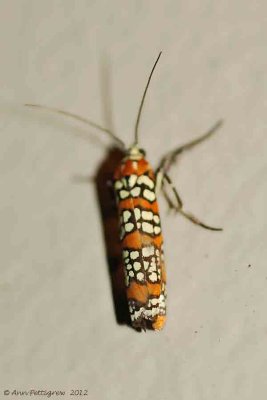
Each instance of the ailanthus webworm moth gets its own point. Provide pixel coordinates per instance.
(136, 187)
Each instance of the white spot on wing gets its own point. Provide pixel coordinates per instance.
(135, 192)
(157, 230)
(137, 314)
(134, 255)
(137, 213)
(122, 232)
(124, 194)
(146, 265)
(148, 251)
(126, 215)
(125, 253)
(149, 195)
(154, 312)
(145, 180)
(137, 265)
(148, 228)
(132, 180)
(147, 215)
(156, 219)
(140, 276)
(129, 227)
(153, 267)
(118, 185)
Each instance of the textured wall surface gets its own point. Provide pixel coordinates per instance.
(58, 322)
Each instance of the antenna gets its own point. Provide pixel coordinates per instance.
(143, 100)
(79, 118)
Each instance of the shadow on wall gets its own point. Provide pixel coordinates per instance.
(106, 199)
(110, 223)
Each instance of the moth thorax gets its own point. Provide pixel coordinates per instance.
(135, 153)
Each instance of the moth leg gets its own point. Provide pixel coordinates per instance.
(161, 180)
(173, 204)
(169, 159)
(178, 207)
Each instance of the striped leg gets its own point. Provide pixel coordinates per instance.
(169, 159)
(177, 204)
(163, 181)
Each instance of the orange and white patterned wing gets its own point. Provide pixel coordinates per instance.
(142, 244)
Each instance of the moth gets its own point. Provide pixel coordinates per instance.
(136, 188)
